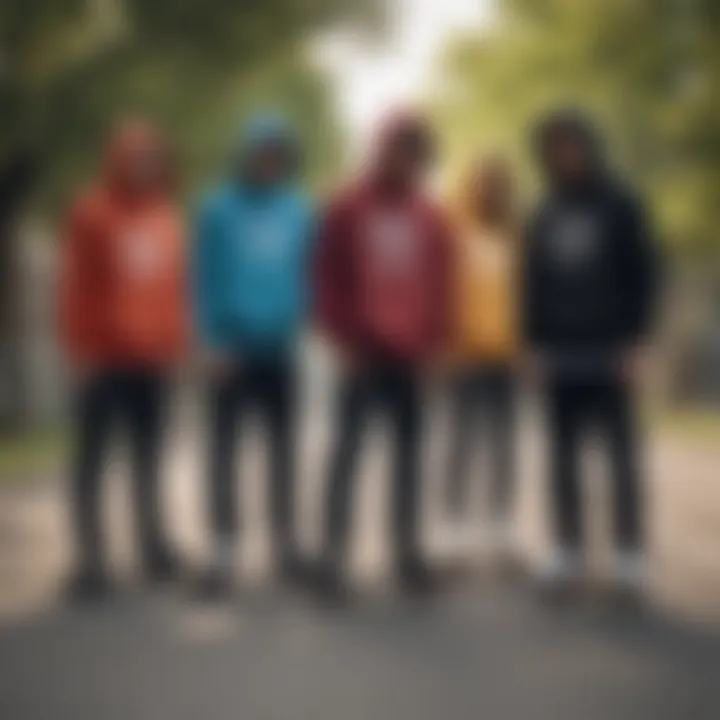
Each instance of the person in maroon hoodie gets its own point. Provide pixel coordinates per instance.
(382, 300)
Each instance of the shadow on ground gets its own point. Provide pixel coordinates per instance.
(484, 651)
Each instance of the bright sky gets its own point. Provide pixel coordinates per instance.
(370, 79)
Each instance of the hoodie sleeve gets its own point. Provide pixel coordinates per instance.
(309, 251)
(642, 269)
(80, 286)
(332, 266)
(531, 284)
(206, 272)
(442, 283)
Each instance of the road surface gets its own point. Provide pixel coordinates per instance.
(483, 650)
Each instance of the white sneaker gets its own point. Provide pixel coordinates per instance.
(223, 555)
(629, 571)
(563, 568)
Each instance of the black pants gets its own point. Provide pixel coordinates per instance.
(607, 408)
(395, 389)
(269, 387)
(483, 406)
(136, 399)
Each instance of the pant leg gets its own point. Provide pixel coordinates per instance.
(277, 400)
(619, 427)
(402, 395)
(353, 403)
(567, 408)
(144, 400)
(463, 431)
(225, 400)
(95, 414)
(501, 420)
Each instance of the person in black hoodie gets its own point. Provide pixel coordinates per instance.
(590, 290)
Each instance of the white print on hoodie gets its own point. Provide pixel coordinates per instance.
(393, 240)
(575, 240)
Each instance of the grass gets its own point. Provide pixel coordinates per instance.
(32, 455)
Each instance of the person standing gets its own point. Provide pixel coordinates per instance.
(123, 320)
(382, 300)
(484, 341)
(253, 238)
(590, 290)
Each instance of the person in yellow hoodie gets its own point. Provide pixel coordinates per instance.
(485, 338)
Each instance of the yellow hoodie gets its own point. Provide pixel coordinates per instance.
(486, 298)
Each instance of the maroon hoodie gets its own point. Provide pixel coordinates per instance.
(383, 268)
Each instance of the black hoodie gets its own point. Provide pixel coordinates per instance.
(591, 263)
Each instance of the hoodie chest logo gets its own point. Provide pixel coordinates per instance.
(392, 241)
(143, 257)
(575, 240)
(488, 254)
(265, 239)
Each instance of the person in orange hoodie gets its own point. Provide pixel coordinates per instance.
(484, 337)
(124, 327)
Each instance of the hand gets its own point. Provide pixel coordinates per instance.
(435, 368)
(349, 363)
(218, 365)
(534, 366)
(82, 373)
(634, 362)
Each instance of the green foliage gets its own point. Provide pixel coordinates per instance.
(69, 67)
(648, 69)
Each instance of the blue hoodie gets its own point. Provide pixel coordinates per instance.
(252, 256)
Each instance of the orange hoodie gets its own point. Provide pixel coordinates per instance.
(123, 278)
(486, 302)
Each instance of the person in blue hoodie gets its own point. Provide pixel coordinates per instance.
(252, 247)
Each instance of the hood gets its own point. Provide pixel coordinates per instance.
(401, 126)
(476, 180)
(266, 129)
(130, 140)
(575, 124)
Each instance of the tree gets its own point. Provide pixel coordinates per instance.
(649, 69)
(68, 67)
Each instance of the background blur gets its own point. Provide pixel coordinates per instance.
(484, 69)
(649, 70)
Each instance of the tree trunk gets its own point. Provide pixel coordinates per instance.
(16, 176)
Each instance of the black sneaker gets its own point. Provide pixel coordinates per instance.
(417, 579)
(89, 585)
(294, 571)
(162, 566)
(329, 585)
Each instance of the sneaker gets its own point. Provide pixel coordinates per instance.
(162, 566)
(562, 574)
(629, 576)
(293, 571)
(89, 585)
(416, 578)
(328, 583)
